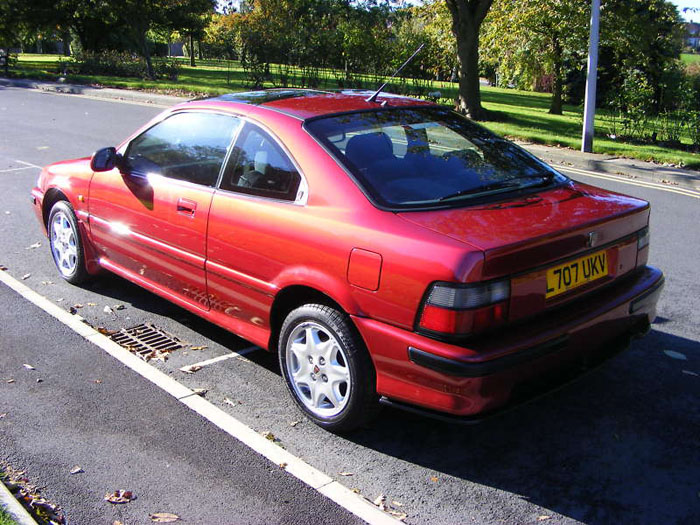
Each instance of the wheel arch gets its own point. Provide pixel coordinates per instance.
(51, 197)
(292, 297)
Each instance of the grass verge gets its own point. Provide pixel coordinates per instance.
(525, 113)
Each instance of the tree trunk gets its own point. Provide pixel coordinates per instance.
(192, 51)
(555, 107)
(199, 48)
(467, 16)
(150, 74)
(66, 43)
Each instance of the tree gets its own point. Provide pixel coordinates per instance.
(536, 39)
(467, 17)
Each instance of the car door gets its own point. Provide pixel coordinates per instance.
(149, 218)
(261, 189)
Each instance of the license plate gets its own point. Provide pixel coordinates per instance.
(575, 273)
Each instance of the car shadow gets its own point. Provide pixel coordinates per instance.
(618, 445)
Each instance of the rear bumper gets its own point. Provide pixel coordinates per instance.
(495, 372)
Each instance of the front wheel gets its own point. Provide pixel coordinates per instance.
(66, 244)
(327, 368)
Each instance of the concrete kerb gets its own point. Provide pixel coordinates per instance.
(14, 508)
(608, 164)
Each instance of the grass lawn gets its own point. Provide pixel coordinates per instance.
(526, 116)
(687, 58)
(5, 518)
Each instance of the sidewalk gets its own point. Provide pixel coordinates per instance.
(610, 164)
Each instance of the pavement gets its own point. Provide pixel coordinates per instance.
(610, 164)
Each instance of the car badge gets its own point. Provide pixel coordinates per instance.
(592, 239)
(316, 369)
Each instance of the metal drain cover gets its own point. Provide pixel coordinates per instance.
(147, 341)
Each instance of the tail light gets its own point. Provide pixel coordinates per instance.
(456, 309)
(642, 246)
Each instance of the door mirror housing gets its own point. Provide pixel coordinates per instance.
(104, 159)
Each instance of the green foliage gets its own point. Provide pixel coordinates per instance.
(118, 64)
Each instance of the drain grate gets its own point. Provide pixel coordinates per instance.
(147, 341)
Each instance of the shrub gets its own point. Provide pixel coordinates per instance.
(118, 64)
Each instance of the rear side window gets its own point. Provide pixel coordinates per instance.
(258, 166)
(185, 146)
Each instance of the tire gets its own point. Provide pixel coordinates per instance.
(327, 368)
(66, 244)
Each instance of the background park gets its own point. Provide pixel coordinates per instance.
(531, 58)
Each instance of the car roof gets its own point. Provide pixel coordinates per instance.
(307, 103)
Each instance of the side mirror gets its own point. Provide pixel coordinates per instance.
(104, 159)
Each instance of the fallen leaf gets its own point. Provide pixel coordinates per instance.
(26, 276)
(294, 423)
(10, 380)
(379, 501)
(346, 473)
(59, 300)
(283, 466)
(675, 355)
(40, 380)
(46, 282)
(28, 367)
(2, 416)
(200, 391)
(163, 517)
(105, 331)
(120, 496)
(3, 268)
(97, 381)
(397, 503)
(78, 305)
(32, 246)
(92, 304)
(202, 347)
(119, 307)
(398, 515)
(72, 310)
(229, 402)
(107, 310)
(268, 435)
(356, 491)
(117, 522)
(76, 470)
(434, 479)
(191, 369)
(544, 518)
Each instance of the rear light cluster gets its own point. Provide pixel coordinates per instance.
(460, 309)
(642, 246)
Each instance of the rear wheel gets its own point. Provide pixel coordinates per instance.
(66, 244)
(327, 368)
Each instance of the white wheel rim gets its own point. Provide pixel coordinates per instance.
(64, 246)
(317, 368)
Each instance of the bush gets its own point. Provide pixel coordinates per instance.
(118, 64)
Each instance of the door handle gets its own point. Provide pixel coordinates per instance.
(186, 207)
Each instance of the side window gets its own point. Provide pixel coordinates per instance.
(185, 146)
(258, 166)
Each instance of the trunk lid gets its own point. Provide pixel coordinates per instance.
(523, 237)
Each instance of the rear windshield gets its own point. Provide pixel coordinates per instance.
(428, 157)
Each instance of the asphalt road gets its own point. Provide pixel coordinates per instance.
(620, 445)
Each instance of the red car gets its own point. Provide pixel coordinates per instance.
(388, 249)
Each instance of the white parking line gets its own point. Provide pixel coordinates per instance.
(623, 180)
(237, 353)
(297, 467)
(28, 164)
(17, 169)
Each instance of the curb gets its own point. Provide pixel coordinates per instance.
(608, 164)
(126, 95)
(14, 508)
(617, 166)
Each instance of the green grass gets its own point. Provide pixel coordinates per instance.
(687, 58)
(525, 112)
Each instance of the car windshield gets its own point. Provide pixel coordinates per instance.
(427, 157)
